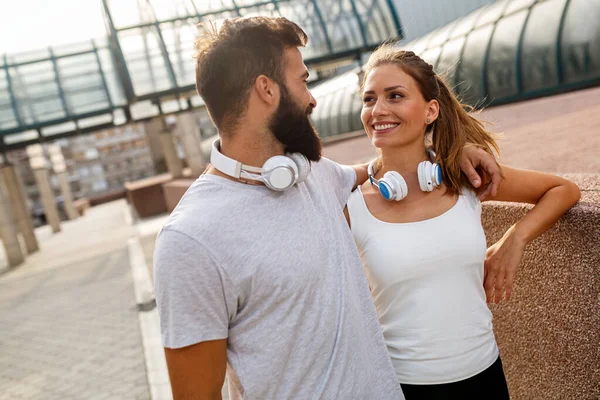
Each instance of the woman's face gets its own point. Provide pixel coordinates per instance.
(394, 112)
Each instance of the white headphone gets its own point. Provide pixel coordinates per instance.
(278, 172)
(393, 186)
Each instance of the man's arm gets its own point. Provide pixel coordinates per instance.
(198, 371)
(472, 158)
(196, 300)
(361, 174)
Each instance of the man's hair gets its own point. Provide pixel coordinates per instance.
(230, 58)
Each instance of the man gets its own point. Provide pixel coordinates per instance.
(267, 283)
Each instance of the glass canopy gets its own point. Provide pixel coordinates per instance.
(144, 66)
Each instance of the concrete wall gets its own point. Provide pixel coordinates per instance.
(549, 332)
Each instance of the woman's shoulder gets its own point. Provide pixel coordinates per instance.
(470, 197)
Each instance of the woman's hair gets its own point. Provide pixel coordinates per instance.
(453, 128)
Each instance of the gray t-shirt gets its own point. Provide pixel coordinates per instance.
(278, 275)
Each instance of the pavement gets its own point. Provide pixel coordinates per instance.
(77, 319)
(69, 324)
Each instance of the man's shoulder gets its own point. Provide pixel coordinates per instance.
(203, 204)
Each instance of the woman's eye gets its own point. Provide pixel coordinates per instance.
(396, 96)
(367, 99)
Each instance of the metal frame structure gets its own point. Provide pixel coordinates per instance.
(143, 68)
(534, 66)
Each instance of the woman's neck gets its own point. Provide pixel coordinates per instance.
(404, 160)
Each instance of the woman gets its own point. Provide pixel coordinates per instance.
(417, 224)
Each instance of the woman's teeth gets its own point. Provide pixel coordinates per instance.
(384, 127)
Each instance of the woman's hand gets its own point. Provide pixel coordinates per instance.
(501, 262)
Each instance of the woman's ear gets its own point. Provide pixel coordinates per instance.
(433, 111)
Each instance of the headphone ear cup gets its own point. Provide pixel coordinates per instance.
(421, 176)
(280, 173)
(436, 171)
(302, 164)
(397, 182)
(430, 176)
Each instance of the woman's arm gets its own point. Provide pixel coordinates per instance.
(552, 195)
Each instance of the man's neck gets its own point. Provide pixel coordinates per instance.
(251, 148)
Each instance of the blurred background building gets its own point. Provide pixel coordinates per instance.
(123, 107)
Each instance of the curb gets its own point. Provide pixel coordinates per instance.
(156, 366)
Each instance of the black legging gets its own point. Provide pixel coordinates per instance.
(487, 385)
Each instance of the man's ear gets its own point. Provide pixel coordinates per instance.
(267, 90)
(433, 111)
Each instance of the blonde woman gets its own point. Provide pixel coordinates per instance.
(417, 224)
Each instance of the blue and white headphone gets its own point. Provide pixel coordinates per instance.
(277, 173)
(393, 186)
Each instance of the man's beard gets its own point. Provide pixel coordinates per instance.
(292, 127)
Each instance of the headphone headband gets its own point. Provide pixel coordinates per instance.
(393, 186)
(278, 172)
(226, 165)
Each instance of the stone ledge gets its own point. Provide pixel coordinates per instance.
(549, 332)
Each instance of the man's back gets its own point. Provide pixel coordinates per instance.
(278, 275)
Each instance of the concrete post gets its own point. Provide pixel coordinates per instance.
(190, 138)
(8, 227)
(152, 130)
(18, 203)
(60, 170)
(40, 170)
(174, 164)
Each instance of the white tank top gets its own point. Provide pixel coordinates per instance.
(426, 281)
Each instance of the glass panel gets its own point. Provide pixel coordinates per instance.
(491, 13)
(47, 110)
(346, 109)
(81, 103)
(440, 36)
(334, 112)
(465, 25)
(417, 46)
(112, 77)
(126, 13)
(179, 39)
(356, 109)
(432, 55)
(266, 10)
(376, 17)
(145, 62)
(539, 45)
(304, 14)
(322, 124)
(342, 25)
(581, 41)
(449, 60)
(204, 6)
(470, 70)
(516, 5)
(75, 65)
(72, 48)
(28, 56)
(501, 70)
(168, 9)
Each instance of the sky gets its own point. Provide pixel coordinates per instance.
(35, 24)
